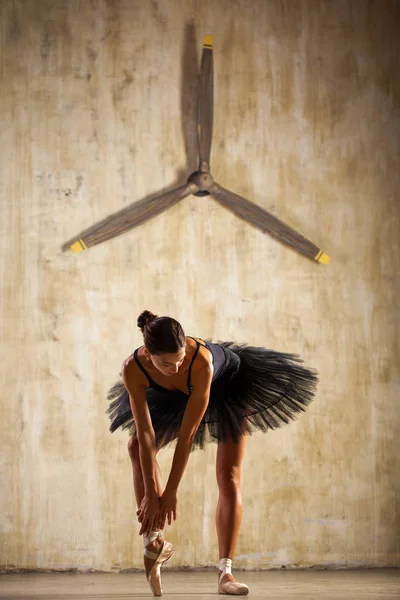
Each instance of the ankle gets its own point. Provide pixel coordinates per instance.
(153, 536)
(224, 566)
(155, 544)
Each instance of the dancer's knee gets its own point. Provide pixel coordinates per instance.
(228, 478)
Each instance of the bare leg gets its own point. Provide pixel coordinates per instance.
(133, 449)
(229, 508)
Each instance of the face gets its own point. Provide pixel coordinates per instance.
(167, 364)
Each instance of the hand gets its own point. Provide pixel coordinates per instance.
(168, 507)
(149, 513)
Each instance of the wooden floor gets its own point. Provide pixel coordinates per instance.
(372, 584)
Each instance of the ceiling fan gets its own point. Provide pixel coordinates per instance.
(199, 183)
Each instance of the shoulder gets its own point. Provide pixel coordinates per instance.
(131, 373)
(203, 365)
(128, 365)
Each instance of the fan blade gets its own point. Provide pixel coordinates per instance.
(128, 218)
(257, 216)
(205, 107)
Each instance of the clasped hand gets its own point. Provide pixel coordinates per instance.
(154, 511)
(168, 507)
(149, 514)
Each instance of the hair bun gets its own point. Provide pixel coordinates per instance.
(144, 318)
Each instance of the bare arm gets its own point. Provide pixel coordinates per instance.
(147, 447)
(195, 409)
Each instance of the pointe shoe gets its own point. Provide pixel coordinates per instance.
(154, 576)
(233, 588)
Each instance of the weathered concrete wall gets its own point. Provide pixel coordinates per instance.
(97, 102)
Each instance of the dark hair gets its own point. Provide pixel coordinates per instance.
(162, 335)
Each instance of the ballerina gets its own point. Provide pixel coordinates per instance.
(193, 391)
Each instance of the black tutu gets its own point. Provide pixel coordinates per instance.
(267, 390)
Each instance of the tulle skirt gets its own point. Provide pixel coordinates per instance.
(265, 390)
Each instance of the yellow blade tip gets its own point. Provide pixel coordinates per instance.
(323, 258)
(78, 246)
(208, 42)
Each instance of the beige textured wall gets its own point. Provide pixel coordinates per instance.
(96, 101)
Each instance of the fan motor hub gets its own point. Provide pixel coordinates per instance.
(203, 181)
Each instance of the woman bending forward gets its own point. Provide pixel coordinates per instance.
(183, 388)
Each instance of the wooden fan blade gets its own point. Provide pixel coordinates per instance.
(128, 218)
(257, 216)
(205, 106)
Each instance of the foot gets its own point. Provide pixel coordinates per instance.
(229, 585)
(155, 548)
(156, 554)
